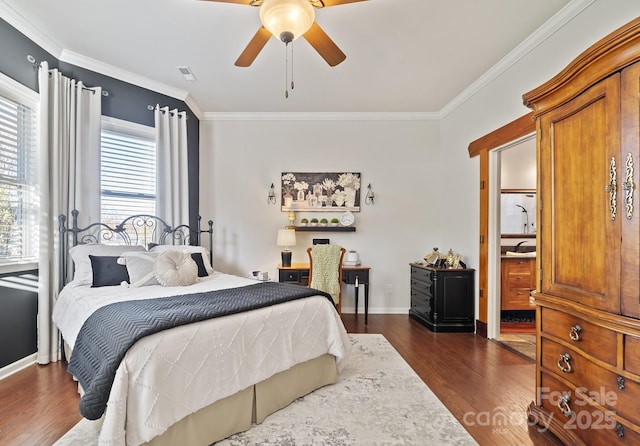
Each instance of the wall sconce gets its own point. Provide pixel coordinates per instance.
(271, 198)
(370, 195)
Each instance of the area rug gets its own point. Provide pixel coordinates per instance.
(378, 400)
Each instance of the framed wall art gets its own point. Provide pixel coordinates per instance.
(320, 192)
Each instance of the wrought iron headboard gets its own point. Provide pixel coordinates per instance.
(141, 229)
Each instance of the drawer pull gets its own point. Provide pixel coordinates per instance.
(574, 333)
(619, 430)
(620, 380)
(563, 404)
(564, 363)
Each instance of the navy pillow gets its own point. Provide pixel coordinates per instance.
(197, 257)
(107, 271)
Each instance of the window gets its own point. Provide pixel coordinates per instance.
(18, 173)
(127, 170)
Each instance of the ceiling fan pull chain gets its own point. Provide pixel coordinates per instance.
(286, 71)
(292, 65)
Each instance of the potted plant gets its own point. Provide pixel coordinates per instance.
(304, 222)
(314, 222)
(334, 221)
(323, 222)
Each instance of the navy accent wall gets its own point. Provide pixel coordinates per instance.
(18, 313)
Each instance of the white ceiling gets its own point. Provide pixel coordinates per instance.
(403, 56)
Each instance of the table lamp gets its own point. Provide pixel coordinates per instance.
(286, 238)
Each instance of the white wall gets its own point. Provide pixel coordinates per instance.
(500, 102)
(518, 166)
(240, 159)
(425, 183)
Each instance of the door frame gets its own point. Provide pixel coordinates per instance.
(498, 138)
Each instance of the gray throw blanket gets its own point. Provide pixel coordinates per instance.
(111, 330)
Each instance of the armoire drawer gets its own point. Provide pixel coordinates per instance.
(591, 424)
(592, 339)
(615, 392)
(632, 354)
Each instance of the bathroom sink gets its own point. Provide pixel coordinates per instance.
(520, 254)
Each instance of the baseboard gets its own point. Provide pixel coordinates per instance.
(481, 328)
(375, 310)
(17, 366)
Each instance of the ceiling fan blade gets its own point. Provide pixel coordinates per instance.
(254, 47)
(328, 3)
(323, 44)
(239, 2)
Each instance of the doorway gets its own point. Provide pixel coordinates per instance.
(482, 147)
(512, 244)
(512, 168)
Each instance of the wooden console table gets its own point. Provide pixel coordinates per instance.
(298, 273)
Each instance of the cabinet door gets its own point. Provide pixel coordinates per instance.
(580, 241)
(629, 173)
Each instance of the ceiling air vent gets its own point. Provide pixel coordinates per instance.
(187, 73)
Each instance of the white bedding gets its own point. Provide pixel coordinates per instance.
(168, 375)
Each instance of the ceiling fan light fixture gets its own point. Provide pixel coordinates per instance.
(287, 19)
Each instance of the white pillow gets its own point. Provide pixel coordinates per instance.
(176, 268)
(140, 267)
(83, 274)
(187, 248)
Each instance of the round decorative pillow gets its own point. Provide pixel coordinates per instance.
(175, 268)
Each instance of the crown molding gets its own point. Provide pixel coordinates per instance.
(120, 74)
(195, 108)
(14, 19)
(321, 116)
(562, 17)
(552, 25)
(556, 22)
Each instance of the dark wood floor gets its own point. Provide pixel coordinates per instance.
(485, 386)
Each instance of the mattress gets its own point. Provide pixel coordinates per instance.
(167, 376)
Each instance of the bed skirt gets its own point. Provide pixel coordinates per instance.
(237, 412)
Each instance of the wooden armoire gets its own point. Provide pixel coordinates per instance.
(588, 269)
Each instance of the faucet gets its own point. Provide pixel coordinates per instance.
(517, 247)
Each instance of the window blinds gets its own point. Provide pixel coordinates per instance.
(128, 175)
(18, 182)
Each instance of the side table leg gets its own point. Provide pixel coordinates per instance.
(366, 304)
(356, 286)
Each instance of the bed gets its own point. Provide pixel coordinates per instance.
(201, 381)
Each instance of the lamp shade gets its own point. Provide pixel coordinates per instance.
(286, 237)
(287, 19)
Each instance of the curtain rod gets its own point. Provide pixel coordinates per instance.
(36, 65)
(171, 112)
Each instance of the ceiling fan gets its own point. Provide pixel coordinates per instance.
(287, 20)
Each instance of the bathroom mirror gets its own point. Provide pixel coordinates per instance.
(518, 213)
